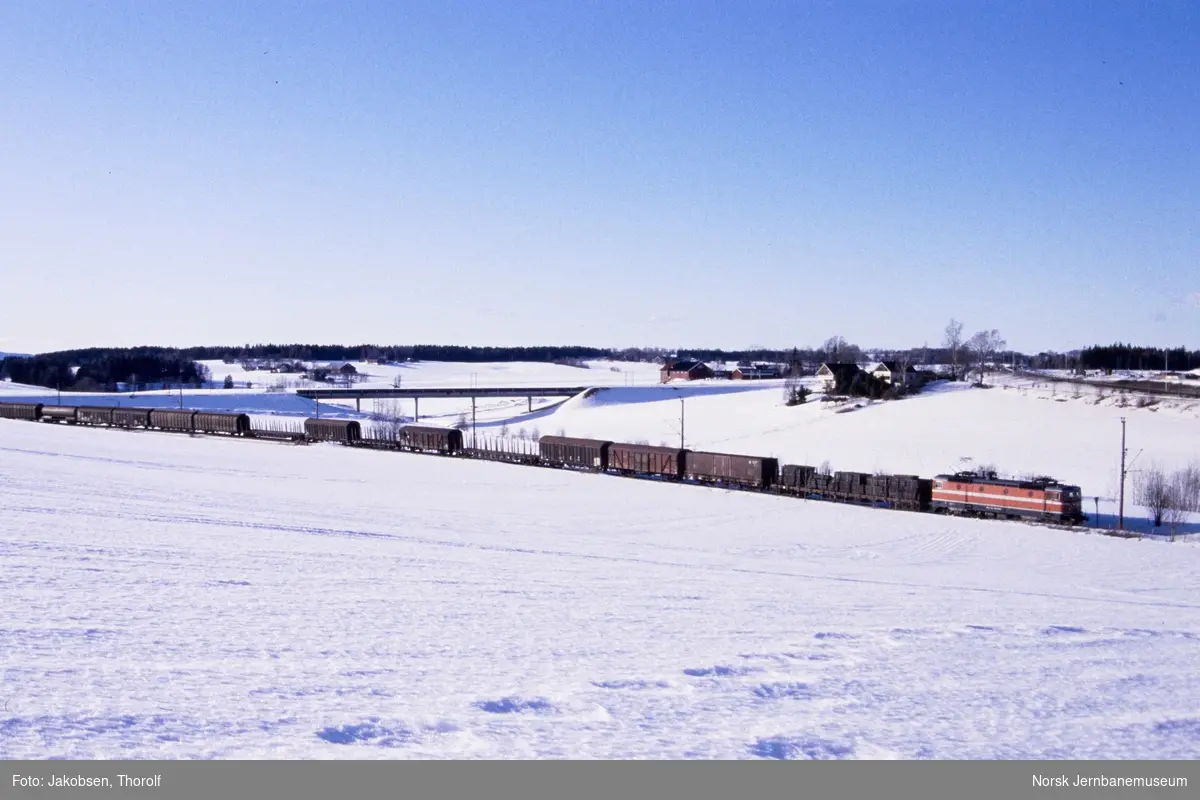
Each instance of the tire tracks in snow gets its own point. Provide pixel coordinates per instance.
(183, 519)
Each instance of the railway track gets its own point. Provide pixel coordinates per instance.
(449, 443)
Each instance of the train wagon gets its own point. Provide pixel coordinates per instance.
(95, 415)
(794, 478)
(850, 486)
(170, 419)
(426, 439)
(131, 417)
(59, 414)
(910, 492)
(222, 422)
(819, 483)
(973, 494)
(633, 459)
(726, 468)
(564, 451)
(333, 430)
(27, 411)
(876, 488)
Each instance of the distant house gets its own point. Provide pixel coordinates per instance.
(722, 373)
(758, 372)
(831, 373)
(343, 368)
(684, 370)
(891, 372)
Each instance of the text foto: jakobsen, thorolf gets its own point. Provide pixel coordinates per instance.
(86, 781)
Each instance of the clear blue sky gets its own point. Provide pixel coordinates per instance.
(601, 173)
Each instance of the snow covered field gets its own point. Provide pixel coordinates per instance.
(163, 596)
(173, 597)
(1018, 426)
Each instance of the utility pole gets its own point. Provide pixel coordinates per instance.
(681, 423)
(472, 423)
(1121, 512)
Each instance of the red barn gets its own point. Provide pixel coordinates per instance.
(684, 370)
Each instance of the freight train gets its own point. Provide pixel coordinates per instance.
(969, 494)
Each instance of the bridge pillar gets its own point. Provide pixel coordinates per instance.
(530, 399)
(416, 409)
(358, 404)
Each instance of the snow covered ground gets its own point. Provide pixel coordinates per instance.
(1019, 426)
(163, 596)
(173, 597)
(421, 374)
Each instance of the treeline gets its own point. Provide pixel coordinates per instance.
(101, 369)
(371, 352)
(1129, 357)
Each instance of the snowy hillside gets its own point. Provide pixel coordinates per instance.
(175, 597)
(419, 374)
(1019, 426)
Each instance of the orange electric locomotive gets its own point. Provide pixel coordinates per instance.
(986, 495)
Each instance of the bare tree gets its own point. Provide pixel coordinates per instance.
(837, 349)
(387, 418)
(1152, 489)
(1182, 500)
(833, 348)
(952, 341)
(1190, 487)
(983, 346)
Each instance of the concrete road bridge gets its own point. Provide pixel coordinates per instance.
(473, 392)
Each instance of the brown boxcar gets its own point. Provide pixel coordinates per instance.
(170, 419)
(131, 417)
(565, 451)
(642, 458)
(222, 422)
(794, 479)
(30, 411)
(59, 413)
(333, 430)
(727, 468)
(425, 438)
(95, 415)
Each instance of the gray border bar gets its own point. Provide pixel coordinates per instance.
(327, 780)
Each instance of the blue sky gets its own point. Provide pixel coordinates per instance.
(610, 174)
